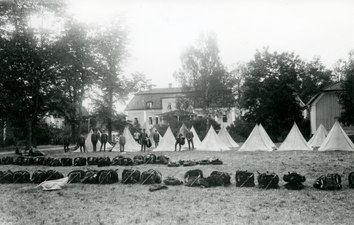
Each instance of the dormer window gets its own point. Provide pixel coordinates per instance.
(169, 106)
(149, 105)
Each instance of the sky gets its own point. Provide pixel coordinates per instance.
(160, 30)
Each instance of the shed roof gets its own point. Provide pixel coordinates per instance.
(331, 88)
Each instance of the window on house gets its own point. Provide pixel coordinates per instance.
(169, 106)
(149, 105)
(224, 119)
(156, 120)
(136, 120)
(150, 120)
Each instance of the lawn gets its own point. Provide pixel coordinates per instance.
(134, 204)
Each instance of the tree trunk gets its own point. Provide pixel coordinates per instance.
(73, 132)
(28, 133)
(80, 110)
(110, 114)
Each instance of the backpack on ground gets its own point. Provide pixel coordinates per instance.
(204, 162)
(150, 159)
(130, 176)
(55, 162)
(91, 177)
(294, 181)
(38, 176)
(80, 161)
(21, 177)
(244, 179)
(28, 161)
(53, 175)
(139, 159)
(162, 159)
(193, 178)
(218, 178)
(216, 162)
(6, 177)
(7, 160)
(92, 161)
(122, 161)
(103, 161)
(351, 179)
(151, 177)
(107, 177)
(268, 180)
(331, 181)
(172, 181)
(189, 163)
(66, 161)
(173, 164)
(19, 161)
(75, 176)
(38, 160)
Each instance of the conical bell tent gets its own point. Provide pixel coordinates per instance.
(318, 138)
(196, 140)
(227, 139)
(256, 142)
(168, 142)
(294, 141)
(266, 137)
(337, 139)
(183, 130)
(212, 142)
(130, 144)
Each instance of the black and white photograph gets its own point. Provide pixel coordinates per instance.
(191, 112)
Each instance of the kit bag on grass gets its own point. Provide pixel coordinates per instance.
(268, 180)
(172, 181)
(7, 160)
(75, 176)
(151, 177)
(66, 161)
(294, 181)
(38, 160)
(244, 179)
(92, 161)
(122, 161)
(80, 161)
(103, 161)
(218, 178)
(56, 162)
(21, 177)
(204, 162)
(91, 177)
(107, 177)
(6, 177)
(351, 179)
(139, 159)
(331, 181)
(130, 176)
(148, 143)
(19, 161)
(28, 161)
(38, 176)
(194, 178)
(53, 175)
(150, 159)
(162, 159)
(173, 164)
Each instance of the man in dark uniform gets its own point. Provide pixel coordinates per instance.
(156, 137)
(143, 140)
(190, 136)
(81, 142)
(179, 141)
(94, 139)
(104, 139)
(66, 142)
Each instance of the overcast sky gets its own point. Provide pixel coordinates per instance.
(160, 30)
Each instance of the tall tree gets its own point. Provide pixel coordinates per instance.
(346, 97)
(205, 77)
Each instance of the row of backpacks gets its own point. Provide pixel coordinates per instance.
(104, 161)
(192, 178)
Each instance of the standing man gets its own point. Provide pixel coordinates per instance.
(179, 141)
(143, 140)
(66, 143)
(156, 137)
(104, 139)
(81, 142)
(121, 142)
(94, 139)
(190, 136)
(137, 136)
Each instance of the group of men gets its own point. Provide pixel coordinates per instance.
(95, 136)
(143, 139)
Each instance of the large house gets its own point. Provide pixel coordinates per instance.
(325, 108)
(148, 107)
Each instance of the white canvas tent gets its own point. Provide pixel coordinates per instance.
(183, 130)
(256, 142)
(146, 127)
(130, 144)
(337, 139)
(318, 137)
(227, 139)
(266, 137)
(294, 141)
(196, 140)
(168, 142)
(212, 142)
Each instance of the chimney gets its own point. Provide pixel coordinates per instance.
(169, 85)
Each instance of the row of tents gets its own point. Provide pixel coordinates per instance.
(258, 140)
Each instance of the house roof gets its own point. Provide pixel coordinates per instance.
(155, 96)
(331, 88)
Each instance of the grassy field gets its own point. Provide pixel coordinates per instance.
(134, 204)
